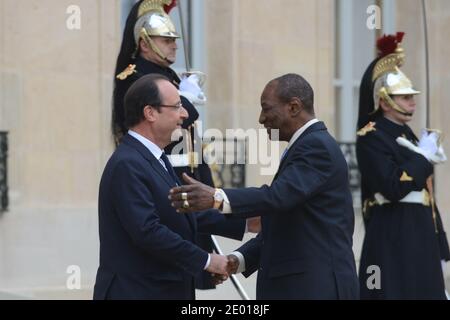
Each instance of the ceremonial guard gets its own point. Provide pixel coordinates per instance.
(405, 242)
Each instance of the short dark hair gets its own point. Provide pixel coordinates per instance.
(142, 93)
(292, 85)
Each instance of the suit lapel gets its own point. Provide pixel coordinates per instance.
(150, 158)
(159, 169)
(318, 126)
(163, 173)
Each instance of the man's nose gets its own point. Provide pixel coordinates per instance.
(184, 114)
(262, 119)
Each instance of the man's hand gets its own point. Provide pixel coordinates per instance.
(190, 89)
(218, 278)
(254, 224)
(233, 264)
(434, 158)
(218, 264)
(195, 196)
(429, 141)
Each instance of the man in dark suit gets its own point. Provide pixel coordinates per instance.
(147, 249)
(149, 46)
(304, 250)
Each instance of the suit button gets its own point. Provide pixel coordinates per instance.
(261, 269)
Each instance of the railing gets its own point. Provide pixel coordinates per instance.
(237, 285)
(349, 151)
(227, 174)
(3, 171)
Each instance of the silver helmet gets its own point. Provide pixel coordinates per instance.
(154, 21)
(389, 80)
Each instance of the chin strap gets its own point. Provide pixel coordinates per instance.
(152, 44)
(385, 96)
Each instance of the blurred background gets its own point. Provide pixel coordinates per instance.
(56, 81)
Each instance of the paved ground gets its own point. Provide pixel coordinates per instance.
(226, 291)
(9, 296)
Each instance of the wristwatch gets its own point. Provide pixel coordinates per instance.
(218, 199)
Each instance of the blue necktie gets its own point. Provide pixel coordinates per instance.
(169, 168)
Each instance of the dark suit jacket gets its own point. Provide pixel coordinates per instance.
(147, 249)
(304, 250)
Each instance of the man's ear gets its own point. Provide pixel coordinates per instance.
(149, 113)
(143, 46)
(295, 106)
(384, 106)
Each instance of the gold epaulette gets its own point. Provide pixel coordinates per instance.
(367, 128)
(405, 177)
(127, 72)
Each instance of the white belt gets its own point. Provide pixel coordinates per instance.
(421, 197)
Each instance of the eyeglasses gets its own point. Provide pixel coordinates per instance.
(177, 106)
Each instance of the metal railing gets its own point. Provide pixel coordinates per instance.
(349, 151)
(3, 171)
(234, 279)
(230, 176)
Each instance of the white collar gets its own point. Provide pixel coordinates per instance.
(300, 131)
(153, 148)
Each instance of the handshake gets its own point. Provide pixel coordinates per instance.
(428, 146)
(221, 267)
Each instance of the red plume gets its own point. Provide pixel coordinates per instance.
(400, 36)
(388, 43)
(170, 6)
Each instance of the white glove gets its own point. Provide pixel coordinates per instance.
(434, 158)
(441, 155)
(428, 142)
(190, 89)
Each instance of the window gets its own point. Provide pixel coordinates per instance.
(354, 50)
